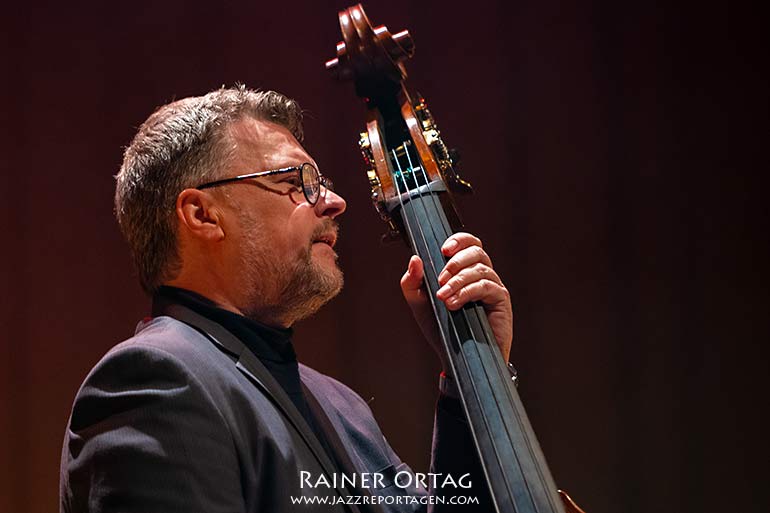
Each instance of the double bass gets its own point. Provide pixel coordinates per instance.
(413, 176)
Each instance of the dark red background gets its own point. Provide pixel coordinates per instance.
(596, 135)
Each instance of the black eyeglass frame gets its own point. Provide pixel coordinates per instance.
(301, 169)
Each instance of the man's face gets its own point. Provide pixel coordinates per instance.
(281, 246)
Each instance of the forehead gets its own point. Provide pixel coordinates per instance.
(265, 145)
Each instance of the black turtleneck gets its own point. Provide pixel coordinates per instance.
(271, 345)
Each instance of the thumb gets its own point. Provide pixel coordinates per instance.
(411, 281)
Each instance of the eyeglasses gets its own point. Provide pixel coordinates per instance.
(310, 178)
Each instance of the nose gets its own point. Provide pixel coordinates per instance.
(330, 204)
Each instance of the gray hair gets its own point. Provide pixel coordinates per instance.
(181, 145)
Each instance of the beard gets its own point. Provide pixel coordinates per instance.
(310, 286)
(283, 292)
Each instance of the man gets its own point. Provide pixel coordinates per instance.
(206, 408)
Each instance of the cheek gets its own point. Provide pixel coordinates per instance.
(293, 236)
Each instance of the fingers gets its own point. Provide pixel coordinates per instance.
(458, 241)
(467, 276)
(489, 293)
(465, 250)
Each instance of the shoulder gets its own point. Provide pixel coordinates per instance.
(162, 345)
(165, 361)
(166, 335)
(144, 425)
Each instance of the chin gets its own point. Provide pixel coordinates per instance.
(325, 260)
(317, 288)
(332, 278)
(323, 277)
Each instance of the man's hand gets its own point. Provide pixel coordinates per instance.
(467, 276)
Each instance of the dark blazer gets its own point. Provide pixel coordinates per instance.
(184, 418)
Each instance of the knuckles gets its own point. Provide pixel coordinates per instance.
(478, 272)
(467, 257)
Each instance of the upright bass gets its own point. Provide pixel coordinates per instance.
(413, 176)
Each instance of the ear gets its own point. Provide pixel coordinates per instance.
(199, 215)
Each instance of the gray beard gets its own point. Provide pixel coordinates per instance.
(282, 293)
(307, 289)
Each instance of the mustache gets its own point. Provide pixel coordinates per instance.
(327, 226)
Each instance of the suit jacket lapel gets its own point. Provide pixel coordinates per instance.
(250, 366)
(329, 422)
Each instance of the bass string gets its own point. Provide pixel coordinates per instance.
(430, 295)
(498, 366)
(411, 234)
(475, 309)
(464, 312)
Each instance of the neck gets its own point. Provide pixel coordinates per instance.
(269, 316)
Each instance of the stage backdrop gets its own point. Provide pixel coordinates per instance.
(596, 139)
